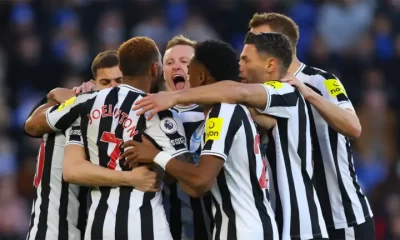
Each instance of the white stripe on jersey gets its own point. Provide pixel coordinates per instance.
(240, 207)
(344, 204)
(297, 208)
(56, 211)
(106, 120)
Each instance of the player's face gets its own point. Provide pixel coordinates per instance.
(108, 77)
(176, 60)
(252, 66)
(196, 75)
(261, 29)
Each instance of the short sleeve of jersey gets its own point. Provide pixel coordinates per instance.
(334, 91)
(280, 98)
(61, 116)
(220, 130)
(166, 130)
(73, 134)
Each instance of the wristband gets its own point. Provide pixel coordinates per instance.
(162, 158)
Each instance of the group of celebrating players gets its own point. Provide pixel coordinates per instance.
(250, 149)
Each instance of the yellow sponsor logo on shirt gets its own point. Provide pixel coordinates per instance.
(275, 84)
(214, 128)
(334, 87)
(67, 103)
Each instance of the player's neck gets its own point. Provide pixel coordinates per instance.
(141, 83)
(294, 66)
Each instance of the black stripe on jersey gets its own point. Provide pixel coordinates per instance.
(83, 207)
(105, 125)
(350, 216)
(69, 118)
(31, 221)
(302, 152)
(285, 100)
(233, 127)
(271, 155)
(360, 195)
(63, 211)
(217, 218)
(258, 193)
(45, 183)
(176, 210)
(295, 216)
(319, 171)
(146, 210)
(121, 218)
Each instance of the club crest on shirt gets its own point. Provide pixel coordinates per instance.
(66, 103)
(168, 125)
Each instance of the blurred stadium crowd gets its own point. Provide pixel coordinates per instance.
(50, 43)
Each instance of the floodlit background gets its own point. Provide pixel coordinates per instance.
(50, 43)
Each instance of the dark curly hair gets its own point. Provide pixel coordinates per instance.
(272, 44)
(219, 58)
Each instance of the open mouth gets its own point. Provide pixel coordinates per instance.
(179, 82)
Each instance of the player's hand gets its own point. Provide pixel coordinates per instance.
(60, 95)
(143, 179)
(85, 87)
(138, 152)
(155, 103)
(301, 87)
(262, 120)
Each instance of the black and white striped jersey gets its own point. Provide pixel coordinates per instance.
(59, 208)
(342, 200)
(297, 208)
(106, 120)
(241, 209)
(189, 215)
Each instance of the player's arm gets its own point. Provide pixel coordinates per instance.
(329, 98)
(335, 107)
(252, 95)
(198, 179)
(78, 170)
(42, 102)
(49, 117)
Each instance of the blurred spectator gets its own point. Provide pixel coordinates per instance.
(341, 22)
(197, 28)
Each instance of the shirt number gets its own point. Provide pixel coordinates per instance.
(40, 164)
(109, 138)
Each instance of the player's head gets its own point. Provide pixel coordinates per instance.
(105, 70)
(139, 57)
(176, 58)
(213, 60)
(265, 56)
(275, 22)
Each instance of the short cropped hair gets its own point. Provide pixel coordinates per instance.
(219, 58)
(273, 44)
(137, 55)
(106, 59)
(278, 23)
(180, 40)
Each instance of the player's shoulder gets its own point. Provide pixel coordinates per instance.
(279, 86)
(82, 97)
(317, 74)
